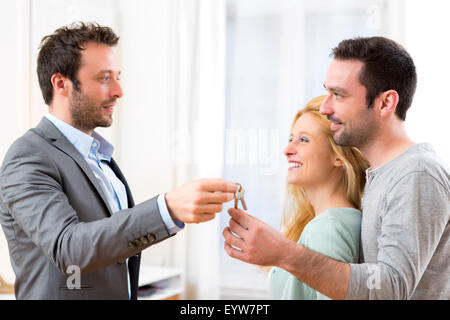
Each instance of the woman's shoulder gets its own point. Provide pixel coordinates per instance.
(337, 217)
(335, 233)
(343, 214)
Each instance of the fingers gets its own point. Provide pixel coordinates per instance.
(203, 217)
(244, 219)
(198, 217)
(217, 184)
(207, 208)
(216, 197)
(234, 253)
(237, 228)
(199, 200)
(231, 239)
(234, 235)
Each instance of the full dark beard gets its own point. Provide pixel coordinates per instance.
(86, 115)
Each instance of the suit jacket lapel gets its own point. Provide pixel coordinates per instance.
(134, 261)
(115, 168)
(49, 132)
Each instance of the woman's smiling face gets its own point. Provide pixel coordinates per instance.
(311, 161)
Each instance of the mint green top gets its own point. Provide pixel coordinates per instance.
(335, 233)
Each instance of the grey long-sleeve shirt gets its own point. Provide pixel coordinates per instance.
(405, 233)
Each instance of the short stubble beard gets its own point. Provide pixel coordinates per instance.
(357, 133)
(86, 114)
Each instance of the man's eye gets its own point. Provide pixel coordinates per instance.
(337, 95)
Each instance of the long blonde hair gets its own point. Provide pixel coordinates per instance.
(298, 211)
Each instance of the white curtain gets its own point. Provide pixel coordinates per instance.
(197, 141)
(175, 102)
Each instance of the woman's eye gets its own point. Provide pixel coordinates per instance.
(301, 139)
(304, 139)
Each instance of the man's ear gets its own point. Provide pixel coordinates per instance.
(60, 84)
(388, 101)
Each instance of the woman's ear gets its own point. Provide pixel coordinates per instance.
(338, 162)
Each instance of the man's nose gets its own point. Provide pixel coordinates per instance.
(325, 107)
(116, 90)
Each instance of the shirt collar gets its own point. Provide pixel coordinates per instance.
(414, 148)
(84, 143)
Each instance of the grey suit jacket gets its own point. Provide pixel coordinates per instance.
(55, 215)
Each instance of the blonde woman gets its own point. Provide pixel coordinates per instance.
(322, 209)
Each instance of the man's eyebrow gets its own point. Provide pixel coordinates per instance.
(335, 89)
(109, 71)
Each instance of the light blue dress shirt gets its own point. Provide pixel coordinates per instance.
(97, 152)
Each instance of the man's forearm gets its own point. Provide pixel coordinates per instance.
(328, 276)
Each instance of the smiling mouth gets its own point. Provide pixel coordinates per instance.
(294, 165)
(109, 103)
(335, 124)
(109, 109)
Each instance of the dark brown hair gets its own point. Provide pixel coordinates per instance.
(60, 52)
(387, 66)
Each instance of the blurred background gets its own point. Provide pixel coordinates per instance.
(210, 90)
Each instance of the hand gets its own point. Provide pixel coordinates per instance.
(199, 201)
(258, 242)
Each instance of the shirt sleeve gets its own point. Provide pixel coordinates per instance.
(415, 216)
(172, 226)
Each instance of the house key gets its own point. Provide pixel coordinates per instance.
(239, 195)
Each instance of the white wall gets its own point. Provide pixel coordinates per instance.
(426, 38)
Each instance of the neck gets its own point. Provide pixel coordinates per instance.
(389, 143)
(326, 196)
(65, 116)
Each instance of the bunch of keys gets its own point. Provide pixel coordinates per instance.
(239, 196)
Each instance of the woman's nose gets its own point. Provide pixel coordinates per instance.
(289, 149)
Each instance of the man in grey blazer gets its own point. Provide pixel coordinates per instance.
(65, 206)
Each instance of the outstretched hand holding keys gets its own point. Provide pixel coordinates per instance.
(199, 200)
